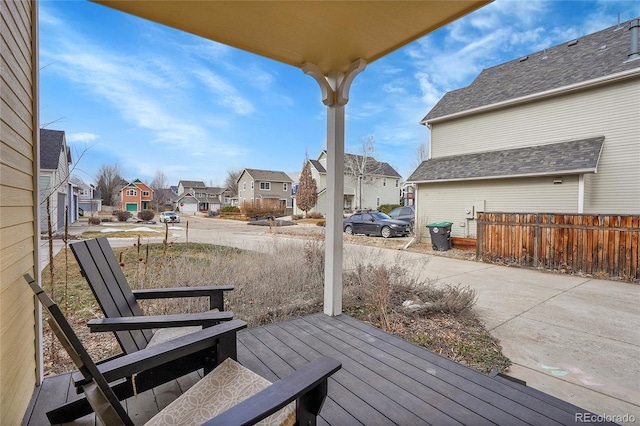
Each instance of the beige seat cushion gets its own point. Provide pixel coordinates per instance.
(227, 385)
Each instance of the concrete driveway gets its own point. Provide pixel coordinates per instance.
(573, 337)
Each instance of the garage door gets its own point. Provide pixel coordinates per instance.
(132, 207)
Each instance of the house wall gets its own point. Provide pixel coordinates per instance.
(276, 191)
(245, 195)
(610, 110)
(448, 201)
(129, 199)
(19, 235)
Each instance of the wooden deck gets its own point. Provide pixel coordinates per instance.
(383, 381)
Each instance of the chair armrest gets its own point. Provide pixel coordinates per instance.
(165, 352)
(205, 319)
(307, 385)
(214, 293)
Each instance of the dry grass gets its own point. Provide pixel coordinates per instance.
(286, 283)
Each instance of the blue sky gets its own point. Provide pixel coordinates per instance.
(151, 98)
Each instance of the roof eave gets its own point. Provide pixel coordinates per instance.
(537, 96)
(552, 173)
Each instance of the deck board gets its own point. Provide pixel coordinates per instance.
(384, 380)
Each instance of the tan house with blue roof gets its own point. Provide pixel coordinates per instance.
(556, 131)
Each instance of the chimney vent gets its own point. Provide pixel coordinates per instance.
(633, 34)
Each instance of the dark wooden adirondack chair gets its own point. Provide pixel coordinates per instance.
(307, 386)
(120, 306)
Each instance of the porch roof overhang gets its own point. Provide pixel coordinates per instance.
(329, 34)
(557, 159)
(331, 41)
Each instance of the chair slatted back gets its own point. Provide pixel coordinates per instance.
(100, 396)
(102, 271)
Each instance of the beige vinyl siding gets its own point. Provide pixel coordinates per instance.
(18, 206)
(612, 110)
(448, 201)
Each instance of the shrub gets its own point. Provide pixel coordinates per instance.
(106, 219)
(230, 209)
(94, 220)
(296, 217)
(315, 215)
(320, 223)
(123, 216)
(212, 213)
(267, 207)
(146, 215)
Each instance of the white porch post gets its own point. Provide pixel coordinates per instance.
(335, 95)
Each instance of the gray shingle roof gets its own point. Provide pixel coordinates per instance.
(192, 184)
(579, 156)
(553, 68)
(372, 166)
(268, 175)
(51, 143)
(318, 165)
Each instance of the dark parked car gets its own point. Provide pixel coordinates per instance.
(405, 214)
(375, 223)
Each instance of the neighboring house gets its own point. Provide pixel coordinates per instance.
(136, 196)
(195, 196)
(55, 159)
(89, 198)
(557, 131)
(378, 184)
(257, 185)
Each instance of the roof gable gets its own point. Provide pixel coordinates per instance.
(52, 143)
(579, 156)
(590, 57)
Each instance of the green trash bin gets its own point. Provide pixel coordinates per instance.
(440, 235)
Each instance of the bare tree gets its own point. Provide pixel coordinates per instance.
(231, 182)
(109, 179)
(160, 188)
(362, 166)
(421, 154)
(307, 194)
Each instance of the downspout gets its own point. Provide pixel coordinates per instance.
(580, 193)
(35, 125)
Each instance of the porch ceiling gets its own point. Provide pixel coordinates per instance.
(329, 34)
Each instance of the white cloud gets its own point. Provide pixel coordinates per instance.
(81, 137)
(226, 93)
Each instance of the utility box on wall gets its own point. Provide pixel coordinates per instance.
(478, 206)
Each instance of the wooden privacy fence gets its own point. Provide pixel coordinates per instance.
(601, 245)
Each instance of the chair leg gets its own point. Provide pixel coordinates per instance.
(308, 406)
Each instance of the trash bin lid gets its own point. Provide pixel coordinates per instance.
(439, 224)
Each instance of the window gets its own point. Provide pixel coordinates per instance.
(244, 186)
(265, 186)
(285, 186)
(384, 182)
(397, 183)
(377, 201)
(252, 185)
(132, 192)
(145, 193)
